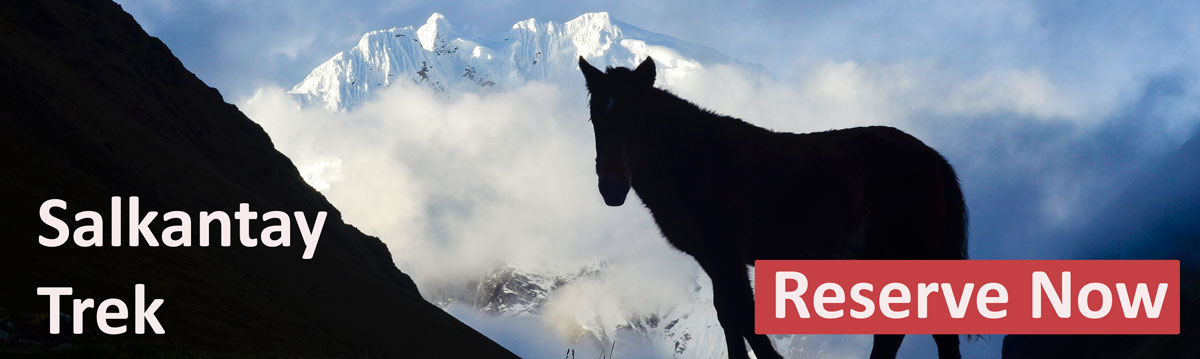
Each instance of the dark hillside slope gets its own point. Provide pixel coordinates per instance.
(92, 107)
(1156, 217)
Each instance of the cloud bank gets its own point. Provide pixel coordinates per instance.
(458, 186)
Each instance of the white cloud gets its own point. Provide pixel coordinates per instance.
(846, 94)
(461, 186)
(458, 186)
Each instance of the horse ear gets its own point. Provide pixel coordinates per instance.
(645, 72)
(591, 74)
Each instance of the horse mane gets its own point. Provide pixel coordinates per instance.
(677, 111)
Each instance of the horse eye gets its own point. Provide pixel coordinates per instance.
(608, 105)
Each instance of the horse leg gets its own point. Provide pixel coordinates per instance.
(947, 346)
(761, 344)
(886, 346)
(734, 301)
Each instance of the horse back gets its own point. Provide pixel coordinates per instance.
(868, 192)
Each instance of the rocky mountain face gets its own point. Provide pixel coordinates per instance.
(688, 329)
(450, 58)
(93, 107)
(512, 290)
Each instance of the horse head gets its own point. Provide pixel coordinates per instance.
(618, 114)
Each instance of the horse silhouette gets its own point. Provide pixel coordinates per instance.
(728, 193)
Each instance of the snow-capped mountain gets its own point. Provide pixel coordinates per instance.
(450, 58)
(512, 290)
(688, 329)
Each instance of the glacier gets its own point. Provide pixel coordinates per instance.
(453, 59)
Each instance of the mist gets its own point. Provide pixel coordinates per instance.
(460, 184)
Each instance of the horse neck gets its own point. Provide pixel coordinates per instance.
(679, 131)
(676, 124)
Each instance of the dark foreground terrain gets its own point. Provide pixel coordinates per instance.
(93, 107)
(1157, 216)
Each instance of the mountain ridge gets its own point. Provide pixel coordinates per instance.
(449, 58)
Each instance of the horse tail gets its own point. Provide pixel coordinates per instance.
(956, 213)
(956, 221)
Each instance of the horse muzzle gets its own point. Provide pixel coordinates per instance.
(614, 190)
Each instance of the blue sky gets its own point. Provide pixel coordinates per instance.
(238, 46)
(1062, 106)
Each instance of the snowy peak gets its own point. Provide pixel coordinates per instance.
(593, 34)
(448, 58)
(427, 34)
(527, 25)
(592, 23)
(600, 19)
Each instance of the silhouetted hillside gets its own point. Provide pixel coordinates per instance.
(1156, 217)
(1184, 345)
(93, 107)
